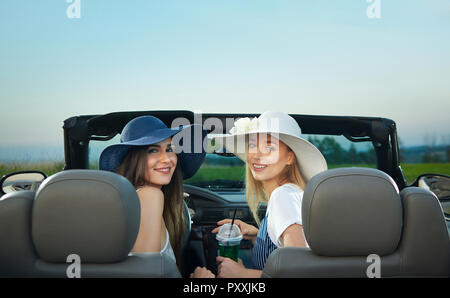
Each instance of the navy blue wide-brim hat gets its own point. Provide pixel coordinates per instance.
(147, 130)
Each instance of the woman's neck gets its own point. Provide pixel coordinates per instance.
(154, 185)
(271, 185)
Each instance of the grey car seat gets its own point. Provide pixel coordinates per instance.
(17, 253)
(93, 214)
(351, 213)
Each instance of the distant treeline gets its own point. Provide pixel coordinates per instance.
(425, 154)
(335, 154)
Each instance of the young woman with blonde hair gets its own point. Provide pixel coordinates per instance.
(279, 163)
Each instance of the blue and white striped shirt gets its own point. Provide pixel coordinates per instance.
(263, 246)
(283, 210)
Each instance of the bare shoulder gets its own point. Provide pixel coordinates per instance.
(150, 193)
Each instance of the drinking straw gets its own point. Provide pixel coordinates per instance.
(232, 222)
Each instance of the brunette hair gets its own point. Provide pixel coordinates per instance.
(133, 167)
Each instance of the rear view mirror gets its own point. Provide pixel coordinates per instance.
(19, 181)
(438, 184)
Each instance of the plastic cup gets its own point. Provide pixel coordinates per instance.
(229, 241)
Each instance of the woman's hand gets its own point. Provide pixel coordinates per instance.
(201, 272)
(248, 231)
(230, 269)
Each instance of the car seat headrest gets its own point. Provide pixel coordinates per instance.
(94, 214)
(352, 212)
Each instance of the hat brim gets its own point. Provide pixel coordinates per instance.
(190, 161)
(309, 159)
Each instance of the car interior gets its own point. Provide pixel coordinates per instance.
(349, 213)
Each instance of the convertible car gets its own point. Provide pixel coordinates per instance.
(362, 206)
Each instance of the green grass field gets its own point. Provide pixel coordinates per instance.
(411, 171)
(48, 168)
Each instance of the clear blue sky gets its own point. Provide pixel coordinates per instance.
(308, 57)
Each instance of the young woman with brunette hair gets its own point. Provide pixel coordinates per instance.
(147, 158)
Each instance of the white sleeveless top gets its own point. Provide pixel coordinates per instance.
(167, 249)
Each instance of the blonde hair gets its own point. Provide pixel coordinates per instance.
(255, 191)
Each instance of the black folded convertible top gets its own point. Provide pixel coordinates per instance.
(108, 125)
(382, 132)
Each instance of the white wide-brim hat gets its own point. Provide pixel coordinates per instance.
(282, 126)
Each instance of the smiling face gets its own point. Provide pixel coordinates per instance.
(268, 157)
(161, 163)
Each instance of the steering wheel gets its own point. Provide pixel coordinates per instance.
(203, 232)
